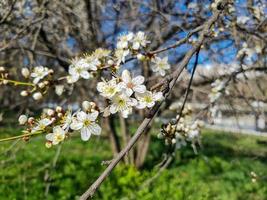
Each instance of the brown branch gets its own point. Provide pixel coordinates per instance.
(171, 82)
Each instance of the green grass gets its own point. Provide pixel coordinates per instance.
(221, 170)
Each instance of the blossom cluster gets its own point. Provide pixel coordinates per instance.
(40, 79)
(122, 92)
(217, 89)
(59, 123)
(126, 92)
(186, 130)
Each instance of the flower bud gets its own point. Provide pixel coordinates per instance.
(59, 89)
(23, 119)
(50, 112)
(60, 115)
(31, 120)
(2, 69)
(48, 144)
(37, 96)
(86, 105)
(24, 93)
(59, 109)
(25, 72)
(41, 85)
(51, 71)
(110, 62)
(168, 128)
(26, 138)
(173, 141)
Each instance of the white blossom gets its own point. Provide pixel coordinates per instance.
(123, 104)
(140, 40)
(123, 41)
(67, 120)
(57, 136)
(39, 73)
(121, 54)
(130, 84)
(148, 99)
(108, 88)
(160, 65)
(42, 124)
(79, 68)
(86, 123)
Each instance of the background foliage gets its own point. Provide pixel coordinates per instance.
(221, 170)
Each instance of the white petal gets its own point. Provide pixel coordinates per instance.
(136, 45)
(76, 125)
(46, 121)
(158, 96)
(36, 80)
(128, 91)
(133, 102)
(92, 116)
(121, 86)
(81, 116)
(95, 129)
(162, 72)
(149, 105)
(49, 136)
(100, 86)
(72, 71)
(138, 80)
(125, 113)
(85, 74)
(125, 76)
(140, 88)
(85, 134)
(141, 105)
(113, 109)
(73, 78)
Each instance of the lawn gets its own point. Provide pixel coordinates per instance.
(230, 166)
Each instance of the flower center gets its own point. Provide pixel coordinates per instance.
(59, 137)
(148, 99)
(87, 122)
(78, 70)
(110, 90)
(121, 103)
(130, 85)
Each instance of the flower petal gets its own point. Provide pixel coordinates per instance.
(85, 74)
(125, 76)
(76, 125)
(81, 116)
(95, 129)
(139, 88)
(92, 116)
(138, 80)
(85, 134)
